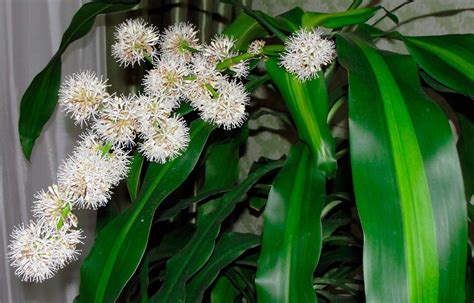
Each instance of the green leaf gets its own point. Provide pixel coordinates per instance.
(466, 152)
(244, 29)
(228, 249)
(38, 104)
(407, 180)
(336, 20)
(181, 267)
(291, 242)
(40, 98)
(449, 59)
(308, 105)
(121, 244)
(144, 280)
(133, 178)
(224, 291)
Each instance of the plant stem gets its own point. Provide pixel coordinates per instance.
(273, 49)
(355, 4)
(64, 214)
(214, 93)
(335, 108)
(392, 11)
(106, 148)
(148, 58)
(234, 60)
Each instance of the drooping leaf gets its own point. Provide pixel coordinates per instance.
(230, 247)
(40, 98)
(336, 20)
(181, 267)
(407, 180)
(449, 59)
(120, 245)
(308, 105)
(291, 242)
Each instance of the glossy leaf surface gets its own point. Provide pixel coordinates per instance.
(336, 20)
(195, 254)
(291, 242)
(230, 246)
(449, 59)
(121, 244)
(407, 180)
(308, 105)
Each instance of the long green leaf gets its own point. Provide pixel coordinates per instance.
(448, 59)
(121, 244)
(196, 253)
(245, 29)
(228, 249)
(40, 98)
(335, 20)
(308, 105)
(407, 180)
(291, 242)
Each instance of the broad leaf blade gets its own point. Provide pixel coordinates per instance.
(38, 104)
(448, 59)
(336, 20)
(228, 249)
(40, 98)
(245, 29)
(308, 105)
(405, 201)
(121, 244)
(181, 267)
(291, 242)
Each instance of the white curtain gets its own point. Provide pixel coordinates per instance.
(30, 32)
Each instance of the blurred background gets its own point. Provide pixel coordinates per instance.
(30, 33)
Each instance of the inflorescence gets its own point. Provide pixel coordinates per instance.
(183, 70)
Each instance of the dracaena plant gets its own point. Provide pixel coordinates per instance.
(379, 214)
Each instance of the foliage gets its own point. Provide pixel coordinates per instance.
(380, 215)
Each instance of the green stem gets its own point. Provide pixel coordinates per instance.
(185, 47)
(64, 214)
(335, 108)
(214, 93)
(234, 60)
(190, 77)
(106, 148)
(392, 11)
(148, 58)
(274, 49)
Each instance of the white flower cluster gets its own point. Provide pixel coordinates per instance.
(182, 70)
(306, 52)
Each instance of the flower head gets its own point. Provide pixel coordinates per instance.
(180, 40)
(227, 108)
(134, 39)
(37, 251)
(221, 48)
(152, 109)
(306, 52)
(256, 47)
(117, 121)
(49, 205)
(92, 171)
(165, 141)
(81, 95)
(197, 90)
(166, 79)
